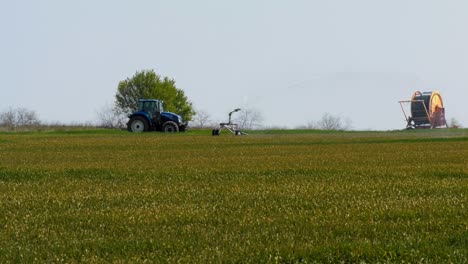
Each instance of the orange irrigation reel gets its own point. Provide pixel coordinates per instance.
(427, 110)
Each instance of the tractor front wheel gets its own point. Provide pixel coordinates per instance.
(170, 127)
(137, 124)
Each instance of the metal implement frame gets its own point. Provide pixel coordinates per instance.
(409, 118)
(231, 127)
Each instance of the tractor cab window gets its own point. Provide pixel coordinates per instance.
(149, 107)
(160, 106)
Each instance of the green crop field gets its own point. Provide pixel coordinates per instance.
(272, 196)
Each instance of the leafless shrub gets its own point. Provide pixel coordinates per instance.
(201, 119)
(25, 117)
(18, 117)
(8, 118)
(453, 123)
(331, 122)
(110, 117)
(249, 118)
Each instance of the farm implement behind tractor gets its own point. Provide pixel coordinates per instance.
(231, 127)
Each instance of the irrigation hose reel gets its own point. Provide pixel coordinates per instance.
(426, 110)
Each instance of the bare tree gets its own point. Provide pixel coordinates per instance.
(249, 118)
(8, 118)
(332, 122)
(454, 123)
(201, 119)
(111, 117)
(25, 117)
(18, 117)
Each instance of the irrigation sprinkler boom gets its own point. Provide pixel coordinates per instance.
(235, 110)
(232, 127)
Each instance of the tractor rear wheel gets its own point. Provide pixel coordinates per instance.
(137, 124)
(170, 127)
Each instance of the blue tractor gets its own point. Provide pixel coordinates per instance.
(150, 116)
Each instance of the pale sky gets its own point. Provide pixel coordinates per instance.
(291, 60)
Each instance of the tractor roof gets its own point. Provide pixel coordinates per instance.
(149, 100)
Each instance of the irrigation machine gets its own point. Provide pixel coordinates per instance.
(230, 126)
(426, 109)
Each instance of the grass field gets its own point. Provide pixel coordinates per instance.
(272, 196)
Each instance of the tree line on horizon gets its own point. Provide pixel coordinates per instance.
(250, 118)
(147, 84)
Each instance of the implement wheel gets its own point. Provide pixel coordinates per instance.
(215, 132)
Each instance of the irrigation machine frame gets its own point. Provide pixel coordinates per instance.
(421, 122)
(231, 127)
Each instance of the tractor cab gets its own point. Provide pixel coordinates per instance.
(150, 106)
